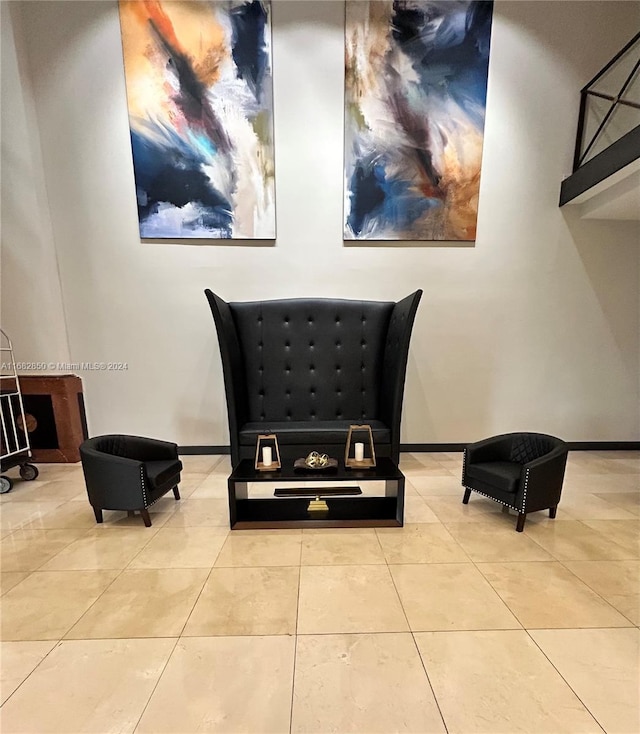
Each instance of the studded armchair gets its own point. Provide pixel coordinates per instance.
(129, 473)
(306, 369)
(523, 471)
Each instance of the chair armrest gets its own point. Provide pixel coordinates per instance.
(113, 481)
(542, 480)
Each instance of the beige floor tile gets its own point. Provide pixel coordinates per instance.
(627, 604)
(70, 515)
(617, 581)
(624, 533)
(601, 483)
(17, 661)
(629, 501)
(23, 491)
(498, 682)
(188, 484)
(479, 509)
(426, 543)
(362, 683)
(10, 579)
(48, 603)
(195, 513)
(59, 470)
(28, 550)
(246, 601)
(450, 596)
(261, 549)
(486, 542)
(200, 463)
(601, 666)
(571, 540)
(15, 514)
(543, 594)
(416, 510)
(348, 599)
(52, 490)
(159, 513)
(332, 547)
(623, 455)
(588, 506)
(593, 464)
(224, 684)
(181, 548)
(420, 470)
(435, 486)
(88, 686)
(97, 549)
(213, 487)
(149, 603)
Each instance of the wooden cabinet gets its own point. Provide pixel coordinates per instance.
(55, 416)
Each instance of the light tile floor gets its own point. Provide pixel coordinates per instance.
(453, 623)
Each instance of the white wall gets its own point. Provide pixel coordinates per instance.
(536, 327)
(31, 310)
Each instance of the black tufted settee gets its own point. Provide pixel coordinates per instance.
(306, 369)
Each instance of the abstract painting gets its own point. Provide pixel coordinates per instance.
(415, 97)
(200, 99)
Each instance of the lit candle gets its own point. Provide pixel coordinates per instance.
(266, 456)
(359, 452)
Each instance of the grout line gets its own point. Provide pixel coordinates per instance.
(295, 645)
(413, 637)
(595, 591)
(55, 645)
(586, 708)
(157, 683)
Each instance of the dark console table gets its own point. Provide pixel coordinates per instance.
(342, 508)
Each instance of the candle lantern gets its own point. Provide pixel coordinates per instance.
(359, 453)
(267, 453)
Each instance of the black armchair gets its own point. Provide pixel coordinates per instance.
(523, 471)
(129, 473)
(306, 369)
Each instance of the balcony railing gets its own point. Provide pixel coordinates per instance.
(609, 122)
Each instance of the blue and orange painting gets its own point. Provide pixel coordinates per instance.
(200, 98)
(415, 99)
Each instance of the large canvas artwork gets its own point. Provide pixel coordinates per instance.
(416, 85)
(199, 90)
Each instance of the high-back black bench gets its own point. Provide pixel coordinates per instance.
(308, 368)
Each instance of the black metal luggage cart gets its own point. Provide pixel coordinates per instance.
(14, 437)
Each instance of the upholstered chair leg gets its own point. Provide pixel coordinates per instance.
(522, 516)
(467, 494)
(552, 511)
(98, 513)
(505, 509)
(130, 513)
(146, 518)
(176, 494)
